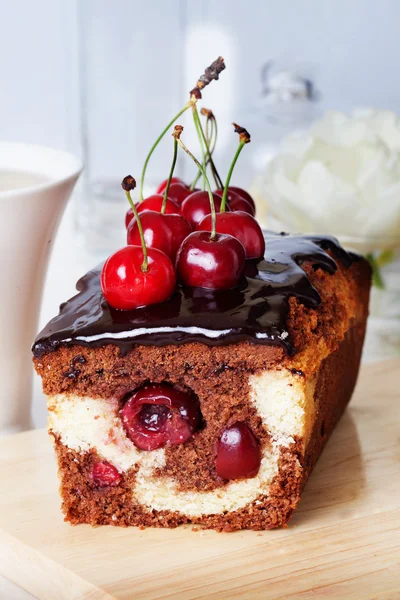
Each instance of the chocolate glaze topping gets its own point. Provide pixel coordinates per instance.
(255, 311)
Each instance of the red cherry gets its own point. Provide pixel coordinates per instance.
(213, 264)
(125, 286)
(152, 203)
(237, 203)
(179, 192)
(242, 226)
(165, 232)
(104, 474)
(230, 195)
(241, 193)
(155, 203)
(156, 233)
(197, 206)
(158, 414)
(163, 185)
(238, 454)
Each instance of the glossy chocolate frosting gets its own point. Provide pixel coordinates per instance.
(255, 311)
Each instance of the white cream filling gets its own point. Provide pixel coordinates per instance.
(282, 400)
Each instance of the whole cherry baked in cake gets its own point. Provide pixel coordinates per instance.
(197, 375)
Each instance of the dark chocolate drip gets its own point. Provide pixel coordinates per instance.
(256, 310)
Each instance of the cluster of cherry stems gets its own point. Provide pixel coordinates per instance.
(202, 238)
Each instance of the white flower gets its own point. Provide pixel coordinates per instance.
(340, 177)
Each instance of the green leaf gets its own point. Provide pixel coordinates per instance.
(377, 278)
(385, 258)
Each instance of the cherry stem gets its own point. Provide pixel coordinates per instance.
(210, 74)
(207, 143)
(154, 146)
(215, 132)
(128, 184)
(218, 179)
(244, 138)
(211, 138)
(164, 203)
(195, 180)
(199, 136)
(206, 181)
(198, 174)
(207, 132)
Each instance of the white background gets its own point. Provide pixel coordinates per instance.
(351, 45)
(139, 58)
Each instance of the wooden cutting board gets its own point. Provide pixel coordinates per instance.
(344, 541)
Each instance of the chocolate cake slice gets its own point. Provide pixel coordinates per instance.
(260, 375)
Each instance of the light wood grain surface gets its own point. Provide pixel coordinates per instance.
(343, 543)
(10, 591)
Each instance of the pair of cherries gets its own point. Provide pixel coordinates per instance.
(157, 415)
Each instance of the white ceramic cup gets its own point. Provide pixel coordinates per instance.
(29, 217)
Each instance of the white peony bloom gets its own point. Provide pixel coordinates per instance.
(342, 177)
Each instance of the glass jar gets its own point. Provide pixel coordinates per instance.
(288, 102)
(127, 95)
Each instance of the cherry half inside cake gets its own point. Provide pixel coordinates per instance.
(104, 474)
(158, 414)
(238, 453)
